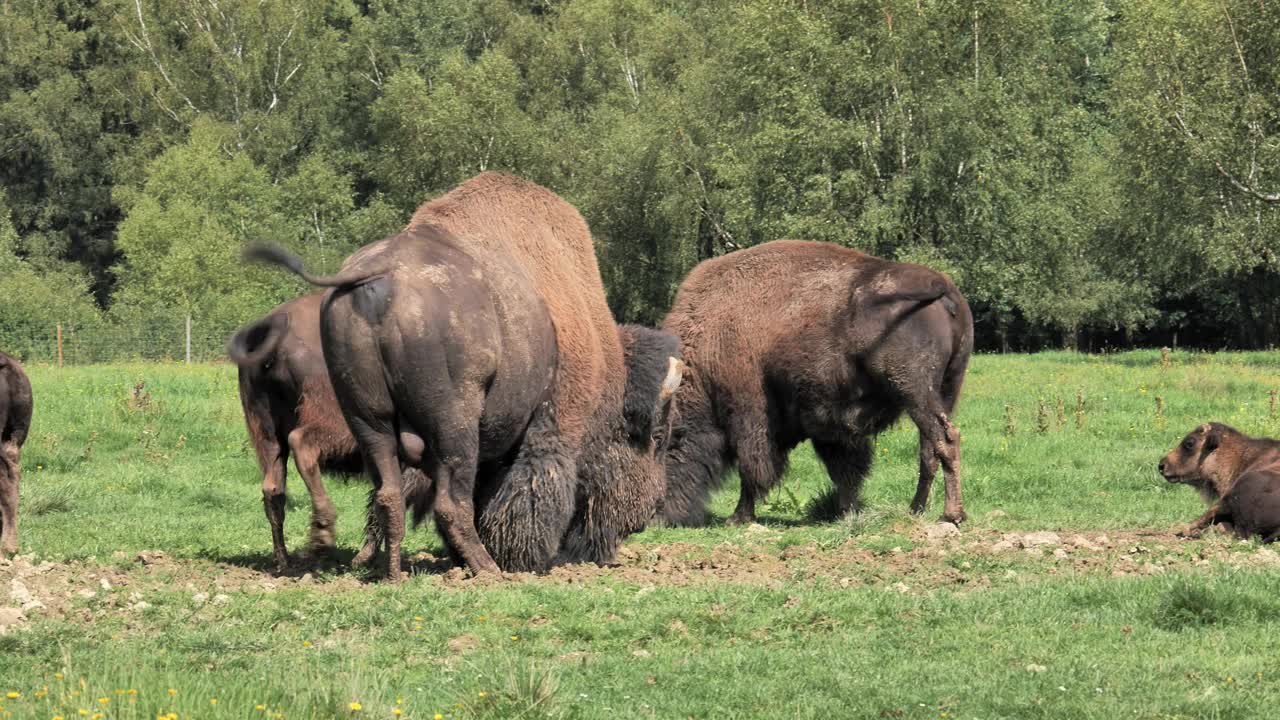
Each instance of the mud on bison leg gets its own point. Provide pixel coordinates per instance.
(9, 481)
(390, 502)
(455, 512)
(847, 464)
(273, 503)
(306, 456)
(939, 444)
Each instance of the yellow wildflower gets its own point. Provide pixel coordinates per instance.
(483, 693)
(515, 637)
(41, 693)
(259, 707)
(58, 675)
(356, 707)
(173, 691)
(13, 695)
(417, 618)
(438, 716)
(96, 716)
(397, 712)
(306, 643)
(400, 700)
(57, 717)
(213, 701)
(104, 700)
(132, 691)
(82, 711)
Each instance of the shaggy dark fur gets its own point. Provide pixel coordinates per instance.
(1238, 475)
(483, 329)
(792, 341)
(621, 478)
(289, 406)
(15, 421)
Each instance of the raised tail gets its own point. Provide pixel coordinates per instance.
(935, 289)
(276, 255)
(254, 343)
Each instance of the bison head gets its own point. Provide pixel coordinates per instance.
(1195, 460)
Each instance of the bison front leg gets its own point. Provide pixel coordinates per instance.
(306, 455)
(9, 481)
(760, 464)
(847, 464)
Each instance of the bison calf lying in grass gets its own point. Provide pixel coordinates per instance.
(15, 420)
(1238, 475)
(289, 407)
(791, 341)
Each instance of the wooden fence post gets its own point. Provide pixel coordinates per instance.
(59, 328)
(188, 338)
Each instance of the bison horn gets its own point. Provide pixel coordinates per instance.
(675, 373)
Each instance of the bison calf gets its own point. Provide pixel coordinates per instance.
(1238, 475)
(15, 420)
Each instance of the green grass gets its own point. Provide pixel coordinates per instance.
(109, 473)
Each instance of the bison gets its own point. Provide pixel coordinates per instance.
(482, 329)
(1238, 475)
(289, 407)
(793, 340)
(622, 480)
(15, 421)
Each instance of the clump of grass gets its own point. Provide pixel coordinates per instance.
(824, 507)
(49, 500)
(1060, 412)
(1272, 403)
(1079, 410)
(1186, 606)
(522, 690)
(1010, 424)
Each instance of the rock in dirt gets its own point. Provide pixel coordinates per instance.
(941, 530)
(22, 597)
(1083, 542)
(10, 616)
(1038, 539)
(221, 599)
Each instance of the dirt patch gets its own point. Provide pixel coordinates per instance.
(909, 559)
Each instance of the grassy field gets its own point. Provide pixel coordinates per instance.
(1066, 594)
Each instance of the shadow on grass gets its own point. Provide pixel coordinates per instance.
(335, 562)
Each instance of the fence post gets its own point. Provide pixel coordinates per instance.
(59, 329)
(188, 338)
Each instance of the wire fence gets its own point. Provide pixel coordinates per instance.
(186, 340)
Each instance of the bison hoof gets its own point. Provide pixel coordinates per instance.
(955, 518)
(1190, 533)
(363, 557)
(737, 519)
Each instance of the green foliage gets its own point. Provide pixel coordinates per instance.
(1083, 169)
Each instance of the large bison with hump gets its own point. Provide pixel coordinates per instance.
(15, 421)
(290, 408)
(793, 340)
(480, 334)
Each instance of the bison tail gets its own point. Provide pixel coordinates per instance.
(276, 255)
(935, 289)
(525, 520)
(254, 343)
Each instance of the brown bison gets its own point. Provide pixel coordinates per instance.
(289, 407)
(15, 421)
(482, 329)
(791, 341)
(1238, 475)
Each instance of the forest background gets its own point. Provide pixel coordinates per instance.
(1092, 174)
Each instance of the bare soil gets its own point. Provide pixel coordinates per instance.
(913, 558)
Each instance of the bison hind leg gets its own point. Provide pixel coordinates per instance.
(9, 480)
(939, 445)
